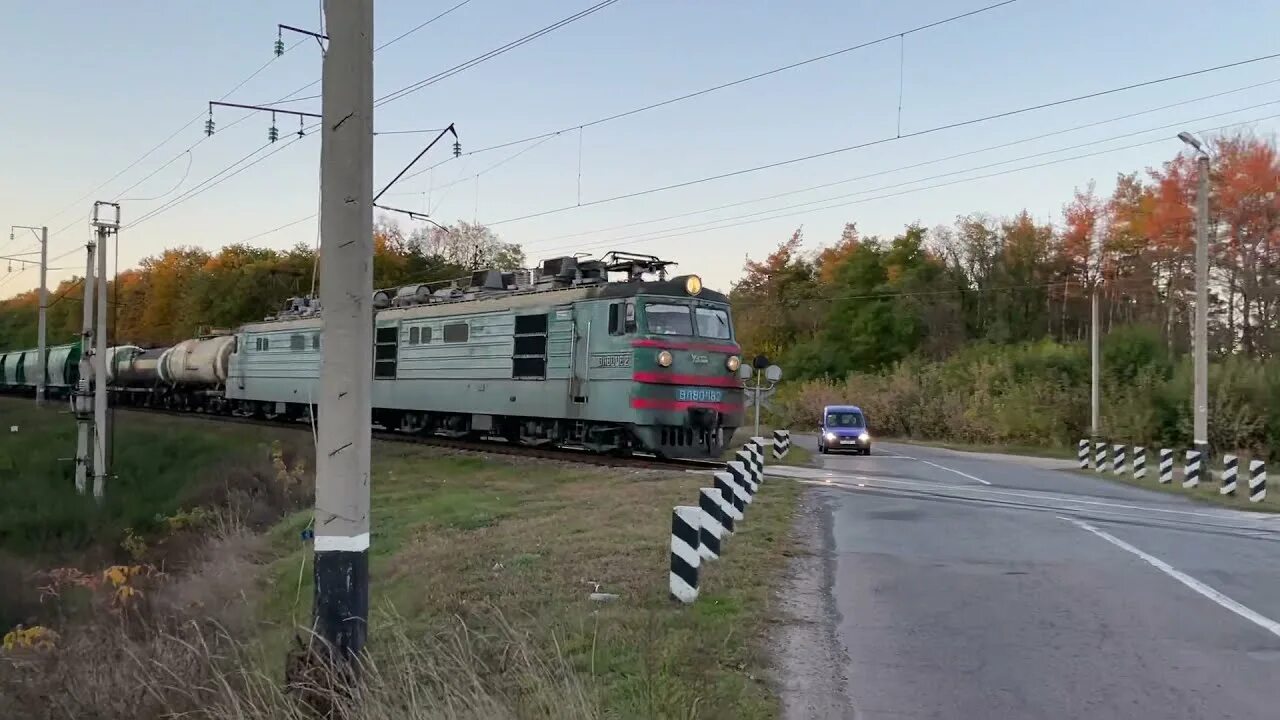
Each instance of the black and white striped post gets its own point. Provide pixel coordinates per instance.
(744, 477)
(1082, 454)
(1191, 473)
(781, 443)
(756, 445)
(1139, 462)
(685, 559)
(1166, 466)
(1119, 463)
(733, 493)
(1230, 469)
(747, 459)
(1257, 481)
(1100, 456)
(714, 524)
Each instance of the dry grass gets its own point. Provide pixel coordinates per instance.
(481, 571)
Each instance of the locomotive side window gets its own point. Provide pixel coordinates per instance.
(426, 334)
(617, 325)
(457, 332)
(385, 341)
(297, 342)
(266, 343)
(529, 355)
(315, 341)
(413, 335)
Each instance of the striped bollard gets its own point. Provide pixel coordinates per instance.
(781, 443)
(1139, 462)
(743, 476)
(757, 446)
(1100, 457)
(1166, 466)
(713, 523)
(1118, 463)
(1191, 473)
(748, 461)
(733, 494)
(1257, 481)
(1230, 468)
(1082, 454)
(685, 560)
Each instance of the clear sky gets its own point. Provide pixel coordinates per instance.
(88, 87)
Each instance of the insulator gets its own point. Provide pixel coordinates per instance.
(301, 132)
(457, 149)
(208, 126)
(273, 134)
(279, 47)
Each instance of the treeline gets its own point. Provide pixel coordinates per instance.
(175, 295)
(992, 315)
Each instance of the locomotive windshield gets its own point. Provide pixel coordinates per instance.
(671, 319)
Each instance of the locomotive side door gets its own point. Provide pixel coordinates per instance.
(580, 363)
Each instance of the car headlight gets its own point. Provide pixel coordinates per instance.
(831, 436)
(864, 437)
(733, 363)
(664, 358)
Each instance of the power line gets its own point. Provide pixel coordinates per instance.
(749, 78)
(950, 173)
(956, 156)
(890, 139)
(164, 142)
(416, 86)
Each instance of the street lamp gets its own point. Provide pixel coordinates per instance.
(1200, 347)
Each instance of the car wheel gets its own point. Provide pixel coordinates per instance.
(822, 449)
(867, 451)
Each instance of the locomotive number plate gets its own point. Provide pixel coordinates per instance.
(697, 394)
(611, 360)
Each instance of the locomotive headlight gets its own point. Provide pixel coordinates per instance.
(693, 285)
(733, 363)
(664, 358)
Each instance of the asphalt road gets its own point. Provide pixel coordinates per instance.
(968, 586)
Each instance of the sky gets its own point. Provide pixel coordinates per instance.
(88, 87)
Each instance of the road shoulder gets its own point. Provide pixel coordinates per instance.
(807, 655)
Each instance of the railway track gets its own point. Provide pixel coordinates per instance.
(489, 447)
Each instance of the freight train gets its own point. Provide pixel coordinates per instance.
(607, 354)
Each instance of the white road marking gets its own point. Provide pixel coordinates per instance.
(944, 467)
(1252, 616)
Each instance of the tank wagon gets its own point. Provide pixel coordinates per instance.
(606, 354)
(19, 370)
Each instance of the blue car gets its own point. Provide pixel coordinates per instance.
(843, 427)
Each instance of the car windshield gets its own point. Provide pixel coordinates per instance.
(664, 319)
(845, 420)
(712, 323)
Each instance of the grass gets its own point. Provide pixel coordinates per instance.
(481, 569)
(795, 456)
(158, 467)
(1206, 492)
(454, 536)
(1028, 450)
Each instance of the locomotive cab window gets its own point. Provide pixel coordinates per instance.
(457, 332)
(712, 323)
(619, 323)
(668, 319)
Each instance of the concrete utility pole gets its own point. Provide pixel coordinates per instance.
(42, 356)
(1095, 373)
(105, 227)
(84, 397)
(1200, 343)
(346, 300)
